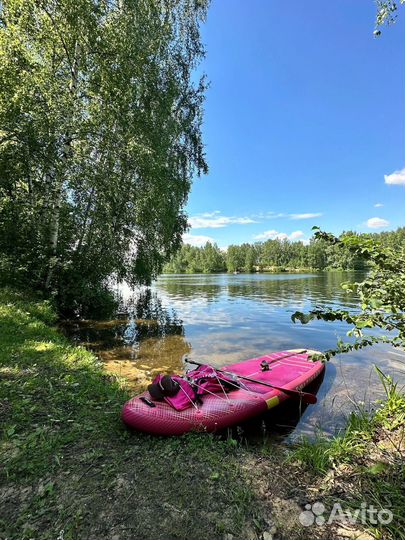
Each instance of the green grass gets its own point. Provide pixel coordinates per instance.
(367, 458)
(68, 464)
(323, 453)
(391, 413)
(70, 470)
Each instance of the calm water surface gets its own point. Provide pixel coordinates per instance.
(228, 318)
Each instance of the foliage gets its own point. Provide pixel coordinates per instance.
(100, 138)
(386, 14)
(278, 255)
(235, 257)
(194, 260)
(381, 294)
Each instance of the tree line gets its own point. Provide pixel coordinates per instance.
(278, 255)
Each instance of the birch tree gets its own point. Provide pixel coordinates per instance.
(100, 138)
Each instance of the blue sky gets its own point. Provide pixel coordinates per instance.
(304, 118)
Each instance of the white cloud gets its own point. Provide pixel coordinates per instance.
(210, 214)
(306, 216)
(296, 234)
(275, 235)
(269, 215)
(197, 240)
(266, 235)
(377, 223)
(397, 177)
(214, 221)
(378, 205)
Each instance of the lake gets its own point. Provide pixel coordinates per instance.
(226, 318)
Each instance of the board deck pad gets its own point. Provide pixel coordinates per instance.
(290, 370)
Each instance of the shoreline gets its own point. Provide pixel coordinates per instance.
(276, 271)
(68, 463)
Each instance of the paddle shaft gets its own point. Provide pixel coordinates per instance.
(306, 397)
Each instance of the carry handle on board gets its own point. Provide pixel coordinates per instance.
(306, 397)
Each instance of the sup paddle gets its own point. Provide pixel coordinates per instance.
(306, 397)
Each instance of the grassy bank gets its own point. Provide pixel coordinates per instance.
(362, 467)
(70, 470)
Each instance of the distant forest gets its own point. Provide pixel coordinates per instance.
(275, 256)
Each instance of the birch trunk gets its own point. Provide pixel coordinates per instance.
(85, 221)
(54, 232)
(58, 186)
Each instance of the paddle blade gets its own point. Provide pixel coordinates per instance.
(307, 397)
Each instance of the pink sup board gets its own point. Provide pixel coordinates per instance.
(288, 369)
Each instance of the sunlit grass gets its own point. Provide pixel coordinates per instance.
(63, 443)
(371, 449)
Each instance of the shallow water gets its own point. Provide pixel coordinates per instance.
(228, 318)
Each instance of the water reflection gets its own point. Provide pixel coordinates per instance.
(280, 289)
(222, 319)
(230, 318)
(147, 339)
(276, 424)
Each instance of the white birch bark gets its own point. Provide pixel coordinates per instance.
(58, 181)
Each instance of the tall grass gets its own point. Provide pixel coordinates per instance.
(372, 451)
